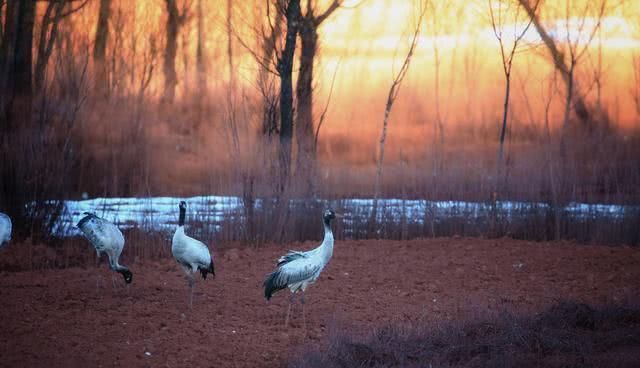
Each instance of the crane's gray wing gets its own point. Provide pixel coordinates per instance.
(291, 256)
(101, 233)
(300, 269)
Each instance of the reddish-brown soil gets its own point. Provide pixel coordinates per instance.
(57, 317)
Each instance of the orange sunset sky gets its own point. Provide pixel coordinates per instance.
(364, 43)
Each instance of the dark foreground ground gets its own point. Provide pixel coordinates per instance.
(58, 318)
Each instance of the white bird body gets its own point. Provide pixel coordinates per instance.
(297, 270)
(105, 237)
(191, 253)
(5, 229)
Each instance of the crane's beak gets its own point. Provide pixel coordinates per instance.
(339, 215)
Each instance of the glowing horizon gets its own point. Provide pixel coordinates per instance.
(366, 41)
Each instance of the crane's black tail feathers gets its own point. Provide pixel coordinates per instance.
(211, 270)
(273, 283)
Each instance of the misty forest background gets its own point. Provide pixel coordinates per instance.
(519, 100)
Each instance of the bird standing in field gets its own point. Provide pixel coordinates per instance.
(297, 270)
(193, 255)
(5, 229)
(107, 238)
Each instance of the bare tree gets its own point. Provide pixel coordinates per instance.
(576, 45)
(635, 89)
(391, 97)
(269, 58)
(231, 95)
(575, 52)
(439, 25)
(508, 48)
(48, 31)
(16, 100)
(554, 174)
(175, 20)
(291, 9)
(2, 5)
(268, 37)
(635, 63)
(436, 26)
(472, 64)
(201, 67)
(100, 48)
(7, 62)
(17, 56)
(310, 22)
(53, 14)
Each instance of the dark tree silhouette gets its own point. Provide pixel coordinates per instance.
(508, 49)
(54, 12)
(201, 68)
(269, 40)
(574, 94)
(391, 98)
(16, 59)
(304, 89)
(291, 10)
(175, 20)
(17, 97)
(100, 47)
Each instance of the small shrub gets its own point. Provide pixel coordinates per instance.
(567, 334)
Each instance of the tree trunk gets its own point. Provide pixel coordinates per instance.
(20, 102)
(500, 167)
(285, 69)
(269, 106)
(173, 27)
(304, 94)
(567, 108)
(48, 33)
(201, 70)
(100, 48)
(393, 94)
(17, 102)
(7, 56)
(505, 114)
(231, 95)
(579, 105)
(2, 5)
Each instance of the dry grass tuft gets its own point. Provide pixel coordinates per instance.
(567, 334)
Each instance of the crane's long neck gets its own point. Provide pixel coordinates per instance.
(123, 270)
(327, 242)
(183, 214)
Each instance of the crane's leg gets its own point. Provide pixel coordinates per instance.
(191, 286)
(304, 320)
(191, 281)
(98, 275)
(291, 301)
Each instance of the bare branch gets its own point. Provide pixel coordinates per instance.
(334, 5)
(594, 30)
(257, 57)
(71, 11)
(393, 93)
(326, 107)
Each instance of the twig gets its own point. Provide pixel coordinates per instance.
(326, 107)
